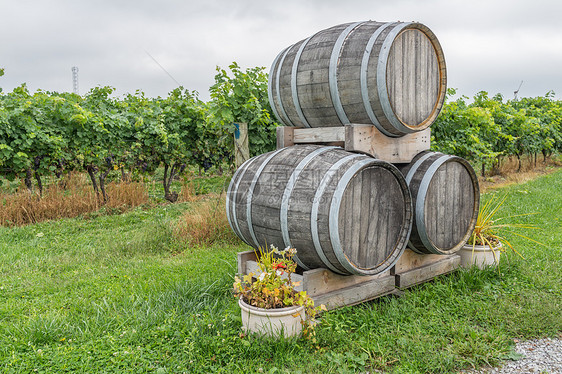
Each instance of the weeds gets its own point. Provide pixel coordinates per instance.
(205, 224)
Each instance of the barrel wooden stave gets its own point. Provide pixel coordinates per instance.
(326, 168)
(446, 198)
(404, 96)
(381, 224)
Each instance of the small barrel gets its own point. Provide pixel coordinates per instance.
(389, 74)
(346, 212)
(446, 198)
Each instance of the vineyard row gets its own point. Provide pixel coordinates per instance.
(49, 133)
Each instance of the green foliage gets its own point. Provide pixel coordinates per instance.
(242, 97)
(491, 231)
(273, 287)
(489, 129)
(30, 141)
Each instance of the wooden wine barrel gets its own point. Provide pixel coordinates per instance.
(391, 75)
(346, 212)
(446, 198)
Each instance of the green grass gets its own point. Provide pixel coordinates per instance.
(119, 294)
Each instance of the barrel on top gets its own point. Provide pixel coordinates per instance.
(342, 211)
(446, 197)
(391, 75)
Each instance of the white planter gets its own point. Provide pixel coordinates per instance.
(479, 255)
(272, 322)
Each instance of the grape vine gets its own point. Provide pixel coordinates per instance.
(53, 133)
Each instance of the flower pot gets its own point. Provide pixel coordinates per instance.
(479, 255)
(272, 322)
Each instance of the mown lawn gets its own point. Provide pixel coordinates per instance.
(120, 294)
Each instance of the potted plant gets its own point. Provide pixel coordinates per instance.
(269, 302)
(487, 242)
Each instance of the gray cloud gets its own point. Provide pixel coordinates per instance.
(489, 45)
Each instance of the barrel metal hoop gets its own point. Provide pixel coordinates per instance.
(277, 87)
(232, 220)
(333, 71)
(420, 202)
(296, 101)
(270, 87)
(316, 204)
(381, 79)
(234, 186)
(251, 195)
(363, 79)
(284, 211)
(416, 166)
(413, 248)
(335, 210)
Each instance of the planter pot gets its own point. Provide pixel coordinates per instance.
(272, 322)
(479, 255)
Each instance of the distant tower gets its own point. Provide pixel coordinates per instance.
(75, 80)
(517, 91)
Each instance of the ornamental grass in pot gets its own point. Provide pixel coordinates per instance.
(270, 304)
(487, 242)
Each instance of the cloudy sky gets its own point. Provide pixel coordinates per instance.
(489, 45)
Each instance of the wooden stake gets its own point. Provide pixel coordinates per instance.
(241, 145)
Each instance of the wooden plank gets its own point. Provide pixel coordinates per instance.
(359, 138)
(356, 294)
(285, 136)
(412, 260)
(424, 273)
(322, 281)
(367, 139)
(243, 258)
(319, 135)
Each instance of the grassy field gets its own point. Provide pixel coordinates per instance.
(119, 293)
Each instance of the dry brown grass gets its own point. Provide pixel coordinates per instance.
(187, 192)
(76, 198)
(507, 173)
(205, 223)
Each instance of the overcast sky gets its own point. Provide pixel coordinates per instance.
(489, 45)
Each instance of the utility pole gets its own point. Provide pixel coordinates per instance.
(75, 80)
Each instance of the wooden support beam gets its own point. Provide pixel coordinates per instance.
(335, 291)
(285, 136)
(243, 259)
(356, 294)
(413, 268)
(319, 135)
(367, 139)
(359, 138)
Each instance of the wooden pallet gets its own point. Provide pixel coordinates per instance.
(328, 288)
(335, 291)
(359, 138)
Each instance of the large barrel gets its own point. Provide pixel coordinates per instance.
(391, 75)
(346, 212)
(446, 198)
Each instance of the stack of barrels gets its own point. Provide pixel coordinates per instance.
(344, 211)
